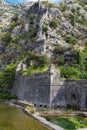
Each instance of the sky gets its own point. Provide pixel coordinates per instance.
(22, 1)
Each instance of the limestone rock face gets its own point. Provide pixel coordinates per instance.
(28, 27)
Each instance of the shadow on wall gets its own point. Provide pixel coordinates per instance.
(71, 94)
(86, 100)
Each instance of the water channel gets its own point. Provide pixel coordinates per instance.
(13, 118)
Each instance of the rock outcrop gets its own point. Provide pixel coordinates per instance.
(30, 27)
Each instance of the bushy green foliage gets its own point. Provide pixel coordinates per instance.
(81, 60)
(71, 39)
(13, 24)
(63, 7)
(73, 10)
(7, 78)
(58, 49)
(39, 60)
(68, 122)
(6, 37)
(16, 39)
(69, 72)
(77, 63)
(83, 75)
(34, 70)
(80, 19)
(59, 61)
(82, 2)
(32, 33)
(48, 4)
(78, 68)
(53, 24)
(72, 16)
(45, 28)
(6, 96)
(6, 82)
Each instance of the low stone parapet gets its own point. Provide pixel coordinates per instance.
(43, 121)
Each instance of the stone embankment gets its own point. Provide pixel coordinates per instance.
(21, 103)
(43, 121)
(63, 112)
(35, 116)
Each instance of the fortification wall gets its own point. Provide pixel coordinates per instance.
(69, 93)
(49, 90)
(33, 88)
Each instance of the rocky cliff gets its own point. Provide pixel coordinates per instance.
(33, 30)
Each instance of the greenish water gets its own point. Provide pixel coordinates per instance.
(12, 118)
(68, 122)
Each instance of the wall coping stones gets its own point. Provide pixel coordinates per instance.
(44, 121)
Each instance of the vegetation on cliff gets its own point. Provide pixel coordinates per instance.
(6, 81)
(38, 36)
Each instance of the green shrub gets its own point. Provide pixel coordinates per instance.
(45, 28)
(58, 50)
(73, 10)
(69, 72)
(48, 4)
(81, 20)
(6, 82)
(63, 7)
(72, 22)
(39, 60)
(7, 77)
(72, 17)
(59, 61)
(7, 96)
(68, 122)
(6, 37)
(53, 24)
(32, 32)
(82, 2)
(34, 70)
(81, 58)
(16, 39)
(83, 75)
(71, 39)
(13, 24)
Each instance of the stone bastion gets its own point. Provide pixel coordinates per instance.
(48, 89)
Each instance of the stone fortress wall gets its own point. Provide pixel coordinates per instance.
(50, 90)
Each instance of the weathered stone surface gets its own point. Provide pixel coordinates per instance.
(49, 90)
(26, 22)
(2, 50)
(40, 45)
